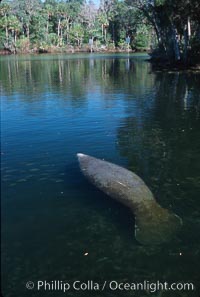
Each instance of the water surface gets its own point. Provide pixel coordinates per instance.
(113, 107)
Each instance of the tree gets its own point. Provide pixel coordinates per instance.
(88, 17)
(48, 12)
(172, 22)
(14, 26)
(25, 10)
(4, 13)
(107, 11)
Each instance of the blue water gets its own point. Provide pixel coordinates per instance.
(55, 225)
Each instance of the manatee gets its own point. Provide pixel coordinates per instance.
(153, 224)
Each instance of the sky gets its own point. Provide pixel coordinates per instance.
(96, 2)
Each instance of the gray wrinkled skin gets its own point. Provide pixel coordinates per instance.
(153, 224)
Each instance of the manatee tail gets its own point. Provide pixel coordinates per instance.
(156, 225)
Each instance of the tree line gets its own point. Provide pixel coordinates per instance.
(170, 27)
(26, 23)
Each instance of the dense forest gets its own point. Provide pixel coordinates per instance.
(169, 29)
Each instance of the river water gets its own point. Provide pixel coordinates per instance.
(58, 227)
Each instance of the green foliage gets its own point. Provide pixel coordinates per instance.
(176, 23)
(3, 22)
(22, 44)
(52, 39)
(4, 9)
(76, 34)
(142, 38)
(38, 29)
(159, 2)
(2, 39)
(59, 23)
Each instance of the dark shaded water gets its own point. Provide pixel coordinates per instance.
(111, 107)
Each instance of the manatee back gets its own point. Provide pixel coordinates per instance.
(118, 182)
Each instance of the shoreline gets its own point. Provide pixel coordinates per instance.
(157, 64)
(71, 50)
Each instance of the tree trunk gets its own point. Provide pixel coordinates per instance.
(61, 36)
(185, 98)
(154, 22)
(67, 34)
(15, 37)
(58, 32)
(176, 45)
(58, 28)
(47, 29)
(27, 31)
(165, 31)
(169, 41)
(189, 28)
(186, 40)
(6, 34)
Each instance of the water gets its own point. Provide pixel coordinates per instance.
(55, 225)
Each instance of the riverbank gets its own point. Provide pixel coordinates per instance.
(160, 60)
(178, 66)
(158, 63)
(72, 49)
